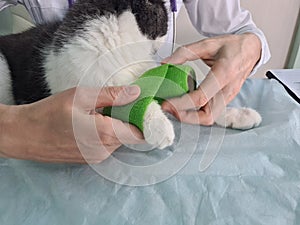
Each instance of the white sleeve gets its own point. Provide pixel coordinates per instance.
(6, 3)
(41, 11)
(217, 17)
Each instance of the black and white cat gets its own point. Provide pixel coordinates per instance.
(96, 39)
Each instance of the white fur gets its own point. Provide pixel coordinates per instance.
(239, 118)
(158, 130)
(112, 51)
(6, 96)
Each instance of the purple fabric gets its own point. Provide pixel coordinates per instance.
(71, 2)
(173, 5)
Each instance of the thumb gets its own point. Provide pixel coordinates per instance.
(190, 52)
(116, 96)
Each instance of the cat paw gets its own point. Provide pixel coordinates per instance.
(158, 129)
(240, 118)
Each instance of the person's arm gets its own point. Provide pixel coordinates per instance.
(218, 17)
(234, 49)
(65, 128)
(3, 109)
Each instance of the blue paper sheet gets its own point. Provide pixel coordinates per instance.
(255, 178)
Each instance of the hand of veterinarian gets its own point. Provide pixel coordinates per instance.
(231, 58)
(44, 131)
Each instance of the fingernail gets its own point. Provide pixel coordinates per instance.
(132, 90)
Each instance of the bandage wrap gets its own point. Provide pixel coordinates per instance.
(157, 84)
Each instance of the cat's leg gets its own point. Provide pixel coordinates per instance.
(6, 96)
(239, 118)
(158, 129)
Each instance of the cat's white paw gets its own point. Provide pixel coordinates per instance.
(239, 118)
(158, 129)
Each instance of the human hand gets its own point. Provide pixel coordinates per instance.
(231, 58)
(44, 131)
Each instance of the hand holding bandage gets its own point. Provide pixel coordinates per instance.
(157, 84)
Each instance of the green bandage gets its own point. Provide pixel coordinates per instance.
(157, 84)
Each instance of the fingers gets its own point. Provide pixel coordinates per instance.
(127, 133)
(181, 55)
(216, 79)
(207, 90)
(220, 76)
(230, 62)
(202, 116)
(204, 49)
(116, 96)
(89, 99)
(113, 131)
(116, 130)
(110, 134)
(207, 114)
(192, 101)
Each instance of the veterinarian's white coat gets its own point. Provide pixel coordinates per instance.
(204, 15)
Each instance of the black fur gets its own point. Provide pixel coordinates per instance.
(24, 52)
(151, 17)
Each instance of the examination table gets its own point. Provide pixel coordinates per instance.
(254, 179)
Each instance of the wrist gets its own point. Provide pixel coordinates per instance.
(7, 120)
(3, 113)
